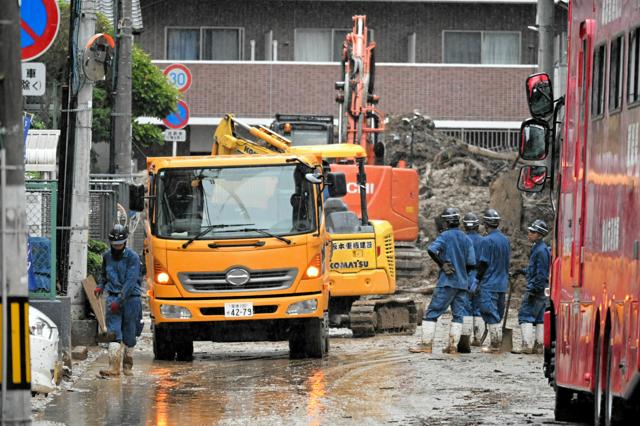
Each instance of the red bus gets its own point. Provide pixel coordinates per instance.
(585, 147)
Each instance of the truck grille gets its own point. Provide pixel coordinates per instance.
(390, 252)
(272, 279)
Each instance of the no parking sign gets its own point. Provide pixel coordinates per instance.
(178, 119)
(39, 22)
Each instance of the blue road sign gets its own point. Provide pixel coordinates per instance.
(39, 22)
(178, 119)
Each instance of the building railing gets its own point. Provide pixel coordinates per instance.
(41, 211)
(499, 140)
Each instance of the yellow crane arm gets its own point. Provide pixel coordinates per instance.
(227, 143)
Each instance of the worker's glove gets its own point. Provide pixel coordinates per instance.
(114, 307)
(448, 268)
(474, 287)
(98, 291)
(537, 292)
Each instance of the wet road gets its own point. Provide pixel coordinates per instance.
(363, 381)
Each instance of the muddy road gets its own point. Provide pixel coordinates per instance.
(363, 381)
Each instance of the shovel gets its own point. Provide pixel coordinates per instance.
(507, 333)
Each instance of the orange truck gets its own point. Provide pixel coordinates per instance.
(237, 250)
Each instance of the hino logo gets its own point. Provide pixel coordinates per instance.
(238, 276)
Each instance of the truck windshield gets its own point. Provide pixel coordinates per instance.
(305, 137)
(234, 202)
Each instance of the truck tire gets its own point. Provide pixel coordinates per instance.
(296, 342)
(316, 338)
(184, 347)
(163, 346)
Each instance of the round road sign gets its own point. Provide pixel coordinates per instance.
(179, 76)
(39, 22)
(178, 119)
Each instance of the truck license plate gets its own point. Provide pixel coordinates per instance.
(238, 310)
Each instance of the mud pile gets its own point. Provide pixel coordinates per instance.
(454, 174)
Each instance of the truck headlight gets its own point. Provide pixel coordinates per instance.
(176, 312)
(304, 307)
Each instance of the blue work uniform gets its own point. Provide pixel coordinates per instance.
(120, 280)
(495, 251)
(534, 300)
(473, 305)
(452, 246)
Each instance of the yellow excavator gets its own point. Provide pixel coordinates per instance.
(362, 267)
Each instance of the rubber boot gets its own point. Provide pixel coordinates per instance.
(426, 342)
(527, 339)
(495, 334)
(454, 336)
(478, 329)
(127, 361)
(464, 344)
(538, 346)
(115, 360)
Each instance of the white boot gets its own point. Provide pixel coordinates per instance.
(454, 335)
(464, 344)
(115, 360)
(495, 334)
(127, 361)
(527, 338)
(478, 330)
(426, 342)
(538, 346)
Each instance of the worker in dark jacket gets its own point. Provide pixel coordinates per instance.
(473, 324)
(534, 299)
(453, 253)
(493, 277)
(120, 280)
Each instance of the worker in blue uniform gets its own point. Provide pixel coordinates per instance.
(120, 280)
(473, 324)
(534, 299)
(493, 277)
(453, 253)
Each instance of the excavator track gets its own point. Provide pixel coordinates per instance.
(396, 315)
(409, 260)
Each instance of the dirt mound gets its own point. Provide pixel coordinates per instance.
(453, 173)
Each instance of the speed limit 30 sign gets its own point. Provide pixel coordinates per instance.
(179, 76)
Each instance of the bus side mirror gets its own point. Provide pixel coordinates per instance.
(539, 95)
(337, 184)
(534, 140)
(136, 198)
(532, 178)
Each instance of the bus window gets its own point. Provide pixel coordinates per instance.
(615, 73)
(633, 74)
(597, 95)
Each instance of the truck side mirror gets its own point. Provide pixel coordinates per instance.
(136, 198)
(539, 95)
(532, 178)
(534, 140)
(337, 184)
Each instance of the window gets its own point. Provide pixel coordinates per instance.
(615, 73)
(597, 95)
(320, 45)
(217, 44)
(633, 77)
(481, 47)
(183, 43)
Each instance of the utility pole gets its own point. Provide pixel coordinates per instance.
(545, 36)
(121, 147)
(15, 401)
(79, 235)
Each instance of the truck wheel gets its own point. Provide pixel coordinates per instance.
(163, 346)
(184, 347)
(316, 338)
(296, 343)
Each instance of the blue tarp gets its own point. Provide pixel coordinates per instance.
(39, 258)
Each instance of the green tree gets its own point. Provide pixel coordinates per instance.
(152, 95)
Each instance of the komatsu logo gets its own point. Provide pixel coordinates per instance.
(354, 188)
(357, 264)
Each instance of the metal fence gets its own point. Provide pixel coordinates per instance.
(41, 209)
(499, 140)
